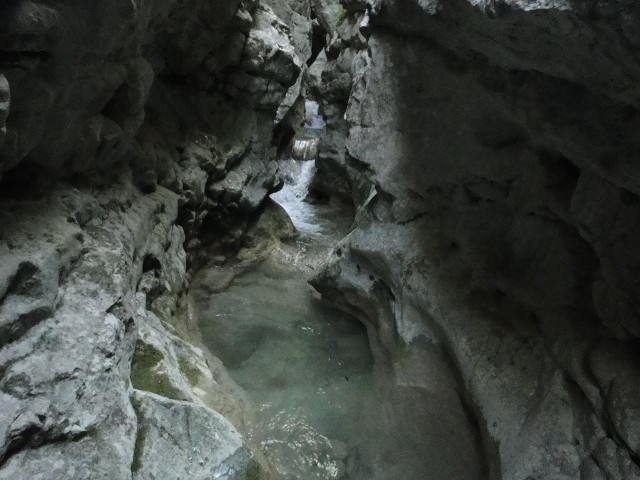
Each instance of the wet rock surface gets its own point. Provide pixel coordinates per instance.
(489, 148)
(476, 150)
(324, 401)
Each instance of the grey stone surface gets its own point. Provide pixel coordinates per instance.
(66, 375)
(489, 152)
(117, 126)
(201, 443)
(90, 282)
(331, 79)
(490, 147)
(269, 65)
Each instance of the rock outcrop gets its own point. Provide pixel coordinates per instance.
(129, 131)
(490, 148)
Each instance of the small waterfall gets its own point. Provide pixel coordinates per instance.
(314, 123)
(321, 408)
(297, 177)
(298, 171)
(305, 149)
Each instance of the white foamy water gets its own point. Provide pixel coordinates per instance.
(297, 176)
(306, 149)
(314, 120)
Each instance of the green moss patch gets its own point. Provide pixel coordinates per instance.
(141, 436)
(339, 12)
(144, 376)
(138, 449)
(193, 373)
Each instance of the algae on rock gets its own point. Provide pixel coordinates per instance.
(144, 374)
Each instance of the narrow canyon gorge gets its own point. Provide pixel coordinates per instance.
(320, 239)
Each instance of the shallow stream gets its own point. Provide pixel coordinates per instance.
(322, 408)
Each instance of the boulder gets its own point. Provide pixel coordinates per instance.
(201, 443)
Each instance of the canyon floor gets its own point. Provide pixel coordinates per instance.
(322, 405)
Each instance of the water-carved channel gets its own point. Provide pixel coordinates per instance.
(322, 408)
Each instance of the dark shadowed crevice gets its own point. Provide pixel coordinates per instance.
(283, 136)
(318, 40)
(26, 181)
(561, 175)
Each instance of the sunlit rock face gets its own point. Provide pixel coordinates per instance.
(491, 147)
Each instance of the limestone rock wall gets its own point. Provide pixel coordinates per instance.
(331, 79)
(491, 148)
(129, 132)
